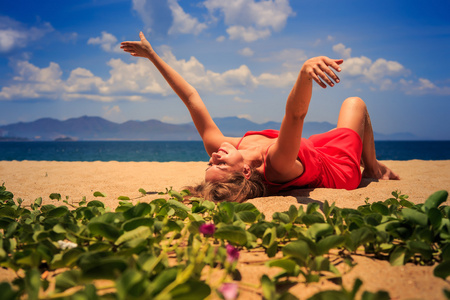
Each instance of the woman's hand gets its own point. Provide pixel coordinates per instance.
(141, 48)
(318, 68)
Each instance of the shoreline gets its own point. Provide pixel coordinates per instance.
(31, 179)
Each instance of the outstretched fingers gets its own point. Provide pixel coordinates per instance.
(321, 70)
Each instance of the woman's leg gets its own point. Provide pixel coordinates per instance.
(354, 115)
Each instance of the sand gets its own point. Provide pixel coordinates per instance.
(29, 180)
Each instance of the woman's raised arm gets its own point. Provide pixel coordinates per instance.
(211, 135)
(283, 155)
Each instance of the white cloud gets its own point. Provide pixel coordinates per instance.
(239, 99)
(247, 34)
(220, 39)
(183, 22)
(145, 11)
(112, 112)
(107, 42)
(382, 68)
(246, 52)
(356, 66)
(374, 72)
(283, 80)
(381, 73)
(291, 59)
(423, 86)
(342, 51)
(167, 17)
(15, 35)
(245, 116)
(249, 20)
(363, 67)
(135, 81)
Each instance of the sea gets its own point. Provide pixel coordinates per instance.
(183, 151)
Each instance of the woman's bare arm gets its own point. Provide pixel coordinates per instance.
(211, 135)
(283, 155)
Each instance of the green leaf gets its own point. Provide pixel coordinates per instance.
(95, 203)
(131, 285)
(293, 213)
(140, 210)
(138, 233)
(246, 206)
(435, 200)
(298, 249)
(442, 270)
(7, 212)
(312, 219)
(98, 194)
(38, 202)
(422, 248)
(142, 191)
(67, 280)
(379, 207)
(33, 283)
(282, 217)
(312, 207)
(380, 295)
(415, 216)
(71, 256)
(286, 264)
(328, 243)
(104, 268)
(7, 292)
(330, 295)
(319, 230)
(361, 236)
(191, 290)
(176, 195)
(246, 216)
(178, 205)
(123, 198)
(163, 279)
(445, 252)
(5, 195)
(268, 287)
(55, 196)
(58, 212)
(233, 234)
(99, 247)
(208, 204)
(105, 230)
(136, 222)
(435, 217)
(398, 256)
(320, 263)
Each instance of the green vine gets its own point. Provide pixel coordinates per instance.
(165, 249)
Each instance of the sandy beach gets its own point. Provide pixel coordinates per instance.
(30, 179)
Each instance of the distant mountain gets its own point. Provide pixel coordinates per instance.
(96, 128)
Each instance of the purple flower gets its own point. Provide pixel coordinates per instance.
(232, 253)
(229, 291)
(207, 229)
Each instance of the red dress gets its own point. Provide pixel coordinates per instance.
(330, 160)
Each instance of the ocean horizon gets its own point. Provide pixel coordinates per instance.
(182, 151)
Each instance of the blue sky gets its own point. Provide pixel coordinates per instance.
(61, 59)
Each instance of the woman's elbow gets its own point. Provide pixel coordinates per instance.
(295, 117)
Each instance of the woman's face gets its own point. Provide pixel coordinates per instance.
(225, 161)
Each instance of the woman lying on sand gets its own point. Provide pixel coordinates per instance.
(272, 160)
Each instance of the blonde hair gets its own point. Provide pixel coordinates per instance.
(235, 188)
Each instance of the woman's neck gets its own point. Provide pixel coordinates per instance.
(253, 156)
